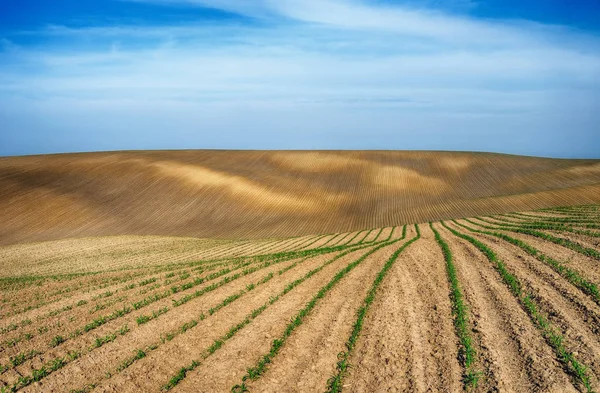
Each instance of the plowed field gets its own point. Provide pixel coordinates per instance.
(507, 303)
(272, 194)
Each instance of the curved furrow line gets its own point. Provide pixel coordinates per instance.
(261, 366)
(532, 306)
(335, 383)
(113, 359)
(407, 340)
(513, 355)
(58, 343)
(266, 306)
(308, 357)
(575, 277)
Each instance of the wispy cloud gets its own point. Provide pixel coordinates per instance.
(346, 64)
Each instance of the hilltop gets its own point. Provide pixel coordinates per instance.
(264, 194)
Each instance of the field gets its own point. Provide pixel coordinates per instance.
(267, 194)
(499, 302)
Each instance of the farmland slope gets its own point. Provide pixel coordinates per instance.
(261, 194)
(507, 302)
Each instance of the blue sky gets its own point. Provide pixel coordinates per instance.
(508, 76)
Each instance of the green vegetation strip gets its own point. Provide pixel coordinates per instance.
(142, 319)
(143, 352)
(353, 237)
(40, 373)
(335, 383)
(377, 236)
(337, 242)
(38, 280)
(541, 225)
(467, 353)
(572, 276)
(58, 340)
(573, 208)
(98, 307)
(306, 246)
(331, 240)
(567, 223)
(589, 252)
(175, 289)
(176, 379)
(364, 237)
(570, 220)
(527, 300)
(261, 367)
(235, 264)
(572, 213)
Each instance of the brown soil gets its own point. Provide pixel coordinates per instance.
(409, 342)
(573, 312)
(152, 372)
(585, 265)
(309, 356)
(513, 354)
(94, 366)
(264, 194)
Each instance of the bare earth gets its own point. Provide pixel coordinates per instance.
(266, 194)
(151, 314)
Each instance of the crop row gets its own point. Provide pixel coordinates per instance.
(335, 383)
(531, 306)
(467, 352)
(260, 368)
(255, 313)
(587, 251)
(574, 277)
(100, 321)
(204, 267)
(143, 319)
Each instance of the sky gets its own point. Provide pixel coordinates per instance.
(508, 76)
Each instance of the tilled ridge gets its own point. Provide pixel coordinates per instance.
(94, 367)
(82, 340)
(408, 342)
(585, 265)
(152, 372)
(259, 336)
(584, 240)
(309, 356)
(567, 308)
(513, 354)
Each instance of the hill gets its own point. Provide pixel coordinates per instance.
(506, 302)
(260, 194)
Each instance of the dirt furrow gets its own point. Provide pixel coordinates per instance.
(24, 303)
(315, 243)
(231, 362)
(88, 293)
(573, 312)
(83, 339)
(309, 356)
(586, 241)
(94, 366)
(342, 240)
(385, 233)
(408, 343)
(374, 235)
(514, 356)
(152, 372)
(292, 245)
(80, 316)
(587, 266)
(361, 236)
